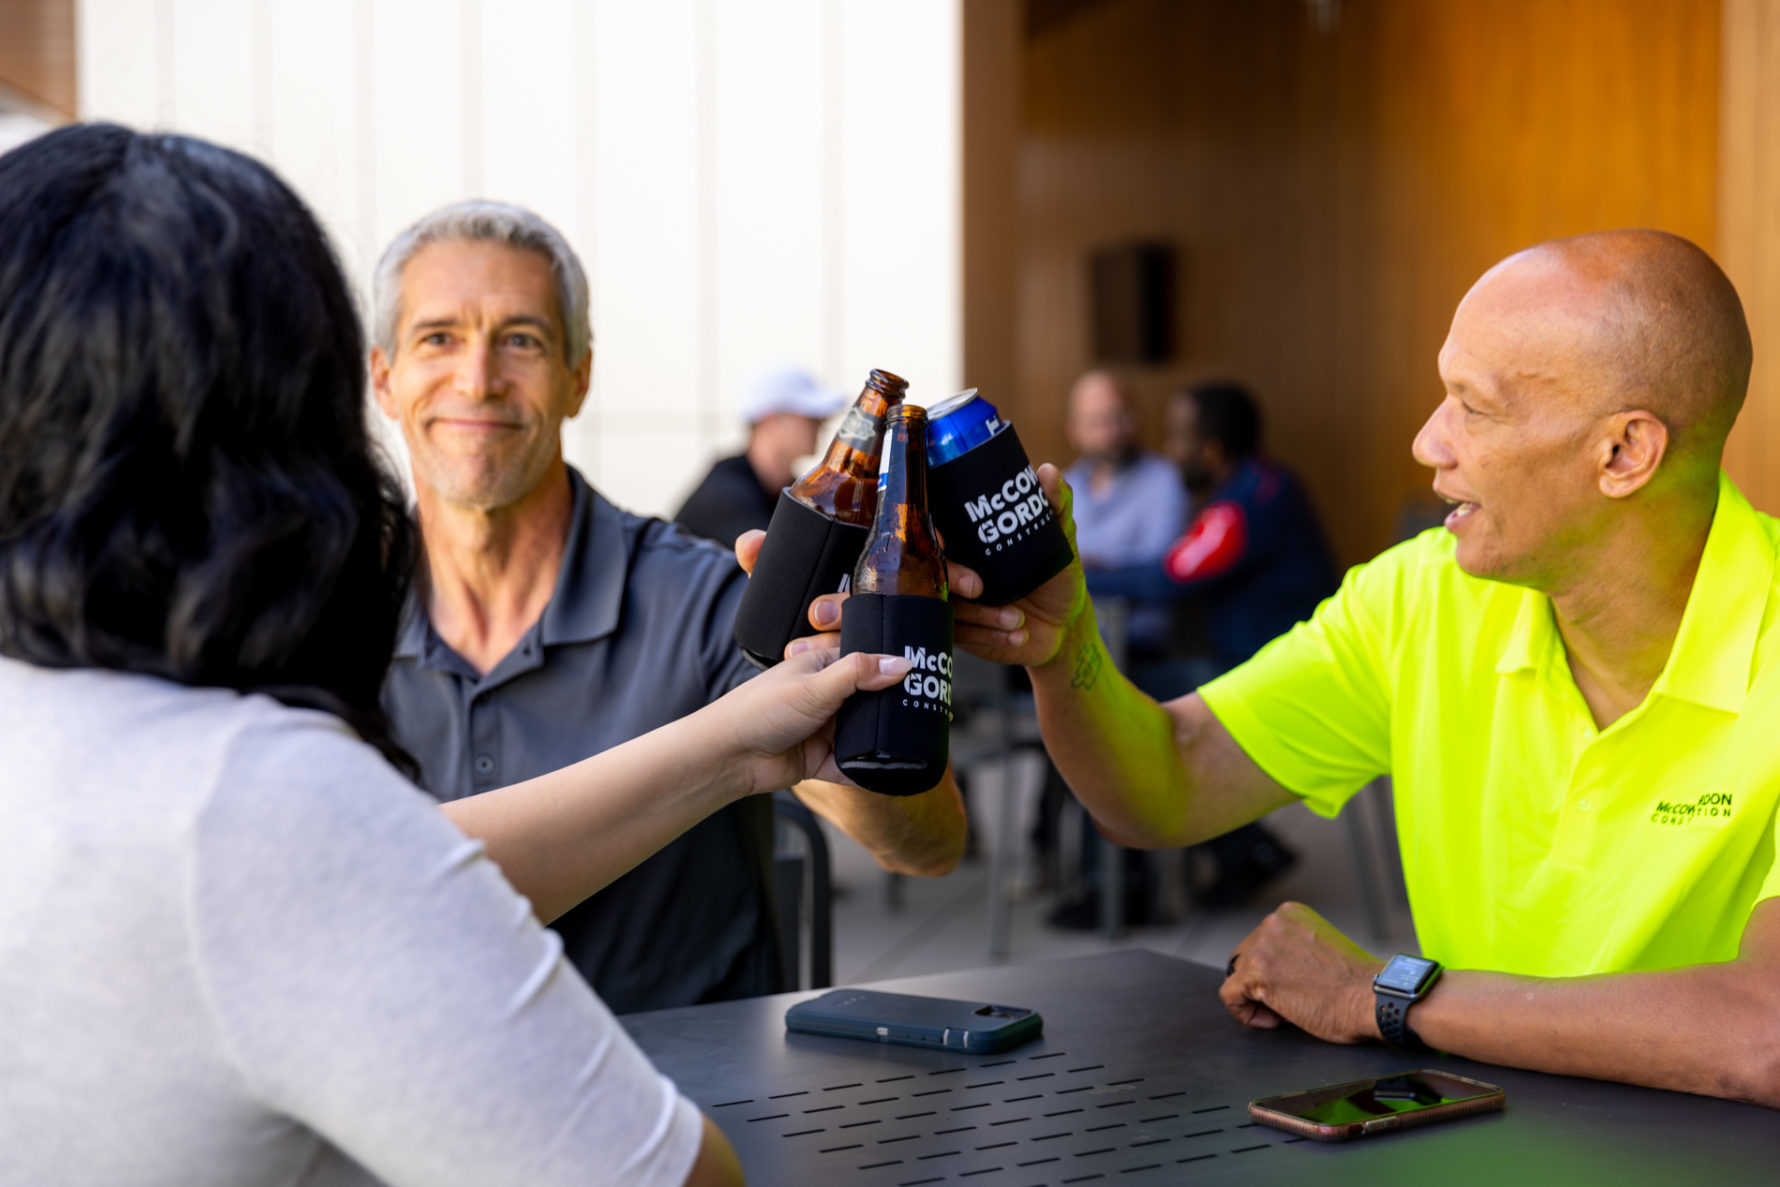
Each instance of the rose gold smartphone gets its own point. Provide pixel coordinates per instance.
(1343, 1111)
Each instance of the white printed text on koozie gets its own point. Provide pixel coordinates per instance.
(929, 683)
(1010, 512)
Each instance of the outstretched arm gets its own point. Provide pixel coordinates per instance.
(562, 836)
(1152, 775)
(908, 834)
(1713, 1029)
(917, 834)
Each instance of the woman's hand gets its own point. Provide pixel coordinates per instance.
(781, 723)
(1028, 632)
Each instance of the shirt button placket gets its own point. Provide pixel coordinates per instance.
(1576, 825)
(484, 754)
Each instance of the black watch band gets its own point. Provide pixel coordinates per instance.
(1393, 1021)
(1402, 982)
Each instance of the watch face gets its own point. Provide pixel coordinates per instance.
(1404, 974)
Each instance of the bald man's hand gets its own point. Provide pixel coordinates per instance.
(1297, 967)
(1029, 632)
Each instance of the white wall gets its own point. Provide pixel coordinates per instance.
(746, 180)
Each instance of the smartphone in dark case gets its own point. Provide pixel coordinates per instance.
(915, 1021)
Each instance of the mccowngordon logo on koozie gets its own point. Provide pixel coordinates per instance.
(1011, 512)
(1712, 808)
(928, 684)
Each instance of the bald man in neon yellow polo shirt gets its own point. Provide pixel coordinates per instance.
(1575, 684)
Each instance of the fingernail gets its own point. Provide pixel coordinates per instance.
(827, 613)
(798, 647)
(1017, 639)
(893, 665)
(1009, 618)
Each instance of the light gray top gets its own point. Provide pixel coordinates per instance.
(1134, 521)
(237, 948)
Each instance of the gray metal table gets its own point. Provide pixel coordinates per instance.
(1143, 1078)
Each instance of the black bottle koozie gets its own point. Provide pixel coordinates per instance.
(996, 520)
(895, 741)
(806, 555)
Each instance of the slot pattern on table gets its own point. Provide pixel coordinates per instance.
(1033, 1121)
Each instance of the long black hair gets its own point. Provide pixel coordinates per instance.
(188, 484)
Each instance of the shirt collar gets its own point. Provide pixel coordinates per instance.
(1531, 637)
(589, 591)
(1714, 650)
(590, 585)
(1243, 474)
(411, 639)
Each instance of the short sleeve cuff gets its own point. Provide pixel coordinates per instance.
(1228, 701)
(686, 1134)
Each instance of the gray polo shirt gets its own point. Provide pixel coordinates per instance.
(637, 634)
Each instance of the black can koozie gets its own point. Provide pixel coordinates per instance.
(896, 740)
(994, 518)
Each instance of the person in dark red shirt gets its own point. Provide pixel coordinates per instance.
(1254, 558)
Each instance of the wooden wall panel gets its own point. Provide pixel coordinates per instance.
(991, 132)
(1749, 230)
(1333, 194)
(37, 52)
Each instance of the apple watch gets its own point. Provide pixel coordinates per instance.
(1403, 981)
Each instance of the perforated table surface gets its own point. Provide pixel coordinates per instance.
(1143, 1078)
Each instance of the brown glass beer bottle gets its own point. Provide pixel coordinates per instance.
(895, 740)
(818, 529)
(903, 554)
(844, 484)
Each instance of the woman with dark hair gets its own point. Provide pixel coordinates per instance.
(236, 946)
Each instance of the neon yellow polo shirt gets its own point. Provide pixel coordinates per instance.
(1533, 842)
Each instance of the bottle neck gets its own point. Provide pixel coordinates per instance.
(902, 555)
(859, 440)
(902, 480)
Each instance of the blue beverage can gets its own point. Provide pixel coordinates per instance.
(958, 424)
(987, 502)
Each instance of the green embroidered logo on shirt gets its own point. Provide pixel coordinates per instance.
(1713, 808)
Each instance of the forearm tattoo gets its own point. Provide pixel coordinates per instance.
(1088, 659)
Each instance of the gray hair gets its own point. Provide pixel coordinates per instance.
(484, 222)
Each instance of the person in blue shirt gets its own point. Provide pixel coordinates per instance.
(1254, 555)
(1130, 504)
(1255, 560)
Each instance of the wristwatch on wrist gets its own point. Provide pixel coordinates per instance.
(1403, 981)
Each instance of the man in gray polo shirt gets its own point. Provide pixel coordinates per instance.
(549, 625)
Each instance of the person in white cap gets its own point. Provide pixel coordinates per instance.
(784, 408)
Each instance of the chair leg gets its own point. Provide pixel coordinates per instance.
(1365, 871)
(1112, 887)
(999, 922)
(789, 891)
(821, 918)
(1385, 816)
(792, 869)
